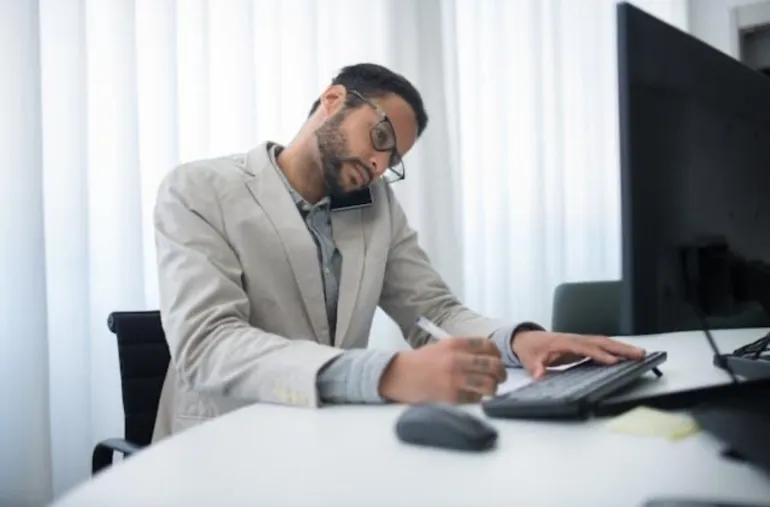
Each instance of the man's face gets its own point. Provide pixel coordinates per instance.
(349, 139)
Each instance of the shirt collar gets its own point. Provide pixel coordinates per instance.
(273, 149)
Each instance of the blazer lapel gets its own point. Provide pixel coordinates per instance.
(348, 230)
(270, 192)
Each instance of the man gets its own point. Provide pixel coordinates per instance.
(272, 263)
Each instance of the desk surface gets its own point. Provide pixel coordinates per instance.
(349, 456)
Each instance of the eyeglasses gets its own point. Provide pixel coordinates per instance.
(383, 137)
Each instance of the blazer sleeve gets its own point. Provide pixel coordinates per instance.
(412, 287)
(205, 309)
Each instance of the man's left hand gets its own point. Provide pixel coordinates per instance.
(539, 349)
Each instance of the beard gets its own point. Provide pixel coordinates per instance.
(333, 148)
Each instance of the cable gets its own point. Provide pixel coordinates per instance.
(720, 358)
(692, 274)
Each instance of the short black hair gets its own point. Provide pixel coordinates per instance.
(373, 80)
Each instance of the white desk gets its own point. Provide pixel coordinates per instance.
(349, 456)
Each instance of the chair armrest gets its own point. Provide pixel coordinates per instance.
(105, 450)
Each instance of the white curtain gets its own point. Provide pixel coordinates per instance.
(514, 187)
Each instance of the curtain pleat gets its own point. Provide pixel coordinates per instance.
(513, 188)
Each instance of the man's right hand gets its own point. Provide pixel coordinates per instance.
(453, 370)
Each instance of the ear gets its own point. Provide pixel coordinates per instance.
(333, 99)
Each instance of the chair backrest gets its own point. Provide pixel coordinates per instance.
(587, 308)
(594, 308)
(144, 359)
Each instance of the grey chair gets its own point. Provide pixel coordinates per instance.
(594, 308)
(587, 308)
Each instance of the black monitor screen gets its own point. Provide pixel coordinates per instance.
(695, 167)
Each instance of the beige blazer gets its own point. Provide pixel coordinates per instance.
(241, 294)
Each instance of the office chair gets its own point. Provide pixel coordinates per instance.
(144, 358)
(594, 308)
(587, 308)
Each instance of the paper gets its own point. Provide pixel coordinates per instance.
(517, 377)
(649, 422)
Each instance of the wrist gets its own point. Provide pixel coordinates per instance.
(388, 388)
(520, 331)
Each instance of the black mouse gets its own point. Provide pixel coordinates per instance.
(441, 425)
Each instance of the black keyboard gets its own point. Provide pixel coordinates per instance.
(570, 393)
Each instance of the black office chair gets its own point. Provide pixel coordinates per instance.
(144, 358)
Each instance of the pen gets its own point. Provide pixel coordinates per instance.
(431, 328)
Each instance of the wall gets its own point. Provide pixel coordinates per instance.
(710, 21)
(758, 43)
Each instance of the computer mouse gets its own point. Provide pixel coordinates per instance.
(446, 426)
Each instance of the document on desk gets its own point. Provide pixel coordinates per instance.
(517, 377)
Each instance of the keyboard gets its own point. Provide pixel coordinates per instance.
(570, 393)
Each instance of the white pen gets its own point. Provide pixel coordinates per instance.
(431, 328)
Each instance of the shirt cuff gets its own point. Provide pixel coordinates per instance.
(354, 376)
(503, 338)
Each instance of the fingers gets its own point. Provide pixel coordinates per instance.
(538, 370)
(601, 349)
(478, 374)
(604, 350)
(478, 383)
(617, 348)
(467, 397)
(558, 357)
(475, 368)
(485, 365)
(587, 349)
(477, 346)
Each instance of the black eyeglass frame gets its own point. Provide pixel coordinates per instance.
(396, 171)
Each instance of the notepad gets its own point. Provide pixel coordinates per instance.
(649, 422)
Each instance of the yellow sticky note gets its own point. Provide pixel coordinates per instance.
(650, 422)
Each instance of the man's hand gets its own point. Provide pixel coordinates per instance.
(453, 370)
(539, 349)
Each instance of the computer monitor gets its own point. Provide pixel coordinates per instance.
(695, 170)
